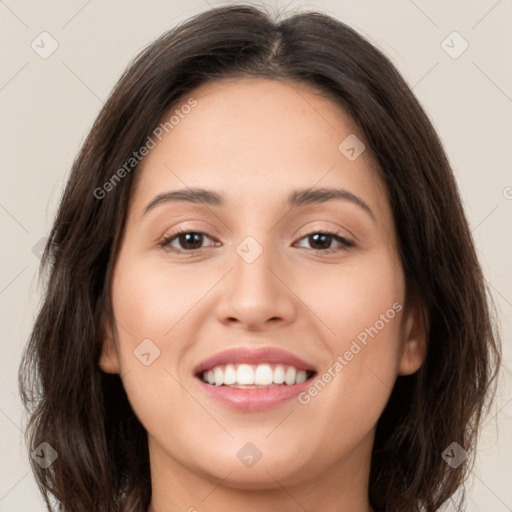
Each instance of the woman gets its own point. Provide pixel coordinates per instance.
(263, 291)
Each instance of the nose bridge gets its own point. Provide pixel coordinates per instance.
(252, 274)
(255, 294)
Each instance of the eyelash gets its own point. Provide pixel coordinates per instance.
(347, 244)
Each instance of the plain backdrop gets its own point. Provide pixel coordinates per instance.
(48, 103)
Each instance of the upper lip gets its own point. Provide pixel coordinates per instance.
(246, 355)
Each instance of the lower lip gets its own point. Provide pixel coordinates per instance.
(253, 399)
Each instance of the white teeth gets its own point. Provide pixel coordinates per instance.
(279, 374)
(301, 376)
(217, 374)
(263, 375)
(245, 375)
(229, 375)
(290, 375)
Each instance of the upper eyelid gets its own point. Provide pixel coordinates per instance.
(312, 229)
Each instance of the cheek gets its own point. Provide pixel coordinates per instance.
(350, 297)
(150, 308)
(150, 300)
(362, 307)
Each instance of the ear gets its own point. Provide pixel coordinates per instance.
(414, 338)
(109, 359)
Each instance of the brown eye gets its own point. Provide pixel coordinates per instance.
(322, 240)
(187, 241)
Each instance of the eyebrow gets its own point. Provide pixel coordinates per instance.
(301, 197)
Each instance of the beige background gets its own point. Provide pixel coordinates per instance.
(48, 105)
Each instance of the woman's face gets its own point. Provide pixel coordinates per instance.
(257, 271)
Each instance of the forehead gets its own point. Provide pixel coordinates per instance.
(254, 140)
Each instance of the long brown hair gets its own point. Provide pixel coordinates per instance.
(84, 414)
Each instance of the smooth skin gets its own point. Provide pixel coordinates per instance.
(254, 141)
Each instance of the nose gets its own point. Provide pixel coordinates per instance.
(256, 294)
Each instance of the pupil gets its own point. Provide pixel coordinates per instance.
(318, 235)
(187, 238)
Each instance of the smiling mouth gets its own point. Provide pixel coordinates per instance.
(255, 376)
